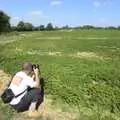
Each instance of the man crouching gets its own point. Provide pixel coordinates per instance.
(27, 99)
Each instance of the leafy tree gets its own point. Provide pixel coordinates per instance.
(28, 27)
(56, 28)
(111, 28)
(65, 27)
(20, 26)
(42, 27)
(49, 26)
(24, 26)
(13, 28)
(118, 27)
(35, 28)
(4, 22)
(88, 27)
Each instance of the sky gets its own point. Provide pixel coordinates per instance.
(63, 12)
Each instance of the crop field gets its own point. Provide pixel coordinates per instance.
(81, 69)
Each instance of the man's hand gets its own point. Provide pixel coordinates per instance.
(36, 71)
(37, 77)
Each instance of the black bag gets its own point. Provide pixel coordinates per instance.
(7, 95)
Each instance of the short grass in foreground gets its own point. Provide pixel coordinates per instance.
(80, 67)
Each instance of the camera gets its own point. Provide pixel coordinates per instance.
(34, 66)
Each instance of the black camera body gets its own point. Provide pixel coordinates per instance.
(34, 66)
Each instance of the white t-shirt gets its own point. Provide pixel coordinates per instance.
(26, 81)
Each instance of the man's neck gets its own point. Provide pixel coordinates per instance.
(26, 72)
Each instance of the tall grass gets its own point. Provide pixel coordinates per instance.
(91, 85)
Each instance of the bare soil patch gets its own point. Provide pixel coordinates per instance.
(94, 38)
(80, 55)
(4, 80)
(49, 38)
(87, 55)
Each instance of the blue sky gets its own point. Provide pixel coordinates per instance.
(64, 12)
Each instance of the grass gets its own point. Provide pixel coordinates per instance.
(70, 67)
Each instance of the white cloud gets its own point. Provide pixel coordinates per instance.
(101, 3)
(37, 17)
(16, 18)
(37, 14)
(56, 2)
(97, 3)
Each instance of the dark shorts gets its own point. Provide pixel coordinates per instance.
(33, 95)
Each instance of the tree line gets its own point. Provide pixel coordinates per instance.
(5, 26)
(26, 26)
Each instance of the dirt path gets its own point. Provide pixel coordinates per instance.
(47, 111)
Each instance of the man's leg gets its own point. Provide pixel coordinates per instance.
(32, 97)
(37, 99)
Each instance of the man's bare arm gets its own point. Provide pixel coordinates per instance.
(37, 77)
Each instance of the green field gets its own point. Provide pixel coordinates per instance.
(80, 67)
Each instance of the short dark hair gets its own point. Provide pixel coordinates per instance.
(27, 66)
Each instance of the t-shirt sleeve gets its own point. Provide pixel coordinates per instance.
(30, 82)
(19, 74)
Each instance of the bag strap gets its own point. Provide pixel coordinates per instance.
(21, 93)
